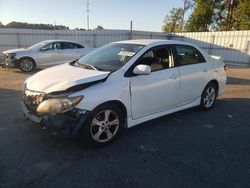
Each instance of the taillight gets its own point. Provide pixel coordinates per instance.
(225, 67)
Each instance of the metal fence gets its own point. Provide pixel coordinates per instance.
(18, 38)
(233, 46)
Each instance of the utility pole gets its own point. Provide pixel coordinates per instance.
(87, 14)
(131, 29)
(54, 25)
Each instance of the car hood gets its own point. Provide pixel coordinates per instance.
(62, 77)
(15, 51)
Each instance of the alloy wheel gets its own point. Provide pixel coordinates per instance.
(209, 97)
(104, 126)
(26, 65)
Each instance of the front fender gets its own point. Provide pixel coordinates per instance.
(110, 90)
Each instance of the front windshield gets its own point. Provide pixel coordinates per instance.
(38, 45)
(110, 57)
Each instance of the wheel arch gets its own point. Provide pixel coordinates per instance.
(27, 57)
(216, 84)
(118, 104)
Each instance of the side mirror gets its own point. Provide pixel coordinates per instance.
(142, 70)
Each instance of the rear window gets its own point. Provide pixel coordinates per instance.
(69, 45)
(187, 55)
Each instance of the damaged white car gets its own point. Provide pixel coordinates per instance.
(121, 85)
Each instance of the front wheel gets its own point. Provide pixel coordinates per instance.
(103, 125)
(208, 97)
(26, 64)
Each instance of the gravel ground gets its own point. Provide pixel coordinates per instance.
(185, 149)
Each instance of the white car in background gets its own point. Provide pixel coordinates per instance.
(44, 54)
(121, 85)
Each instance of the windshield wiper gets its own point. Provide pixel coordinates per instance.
(87, 66)
(93, 67)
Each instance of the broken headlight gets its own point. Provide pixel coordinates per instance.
(58, 105)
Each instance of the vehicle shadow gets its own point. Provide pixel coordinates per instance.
(238, 81)
(15, 70)
(27, 73)
(238, 67)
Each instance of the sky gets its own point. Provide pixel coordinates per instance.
(111, 14)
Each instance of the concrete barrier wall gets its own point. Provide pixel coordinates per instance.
(233, 46)
(19, 38)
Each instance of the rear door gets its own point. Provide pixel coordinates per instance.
(194, 72)
(157, 91)
(72, 51)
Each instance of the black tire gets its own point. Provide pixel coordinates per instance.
(26, 64)
(208, 97)
(97, 135)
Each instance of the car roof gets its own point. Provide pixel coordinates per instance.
(152, 42)
(156, 42)
(58, 40)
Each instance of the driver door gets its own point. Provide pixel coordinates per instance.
(157, 91)
(52, 54)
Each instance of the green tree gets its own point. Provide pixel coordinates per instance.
(224, 15)
(242, 15)
(23, 25)
(173, 21)
(203, 16)
(219, 15)
(231, 5)
(99, 27)
(187, 4)
(232, 15)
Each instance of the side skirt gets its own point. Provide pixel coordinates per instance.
(132, 122)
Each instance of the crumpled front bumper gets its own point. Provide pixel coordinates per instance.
(12, 63)
(66, 124)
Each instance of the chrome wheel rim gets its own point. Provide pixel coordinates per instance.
(26, 65)
(209, 97)
(104, 125)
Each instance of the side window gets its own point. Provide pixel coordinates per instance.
(52, 46)
(79, 46)
(57, 45)
(69, 45)
(187, 55)
(48, 47)
(158, 58)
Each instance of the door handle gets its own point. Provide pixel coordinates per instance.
(174, 76)
(205, 70)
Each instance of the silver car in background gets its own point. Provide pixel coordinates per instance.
(44, 54)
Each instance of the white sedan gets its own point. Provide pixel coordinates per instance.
(44, 54)
(121, 85)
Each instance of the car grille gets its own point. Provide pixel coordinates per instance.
(32, 99)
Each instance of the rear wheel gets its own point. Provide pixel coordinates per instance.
(26, 64)
(208, 97)
(103, 125)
